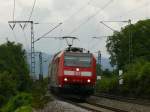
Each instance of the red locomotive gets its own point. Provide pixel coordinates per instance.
(73, 72)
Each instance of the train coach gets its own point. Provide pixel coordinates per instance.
(73, 72)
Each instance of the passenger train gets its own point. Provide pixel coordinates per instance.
(73, 72)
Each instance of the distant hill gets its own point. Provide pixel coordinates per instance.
(47, 59)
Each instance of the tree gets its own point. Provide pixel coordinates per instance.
(107, 73)
(14, 72)
(137, 79)
(118, 44)
(7, 87)
(13, 60)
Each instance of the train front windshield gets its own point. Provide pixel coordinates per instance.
(77, 60)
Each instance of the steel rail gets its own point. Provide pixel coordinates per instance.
(92, 106)
(124, 99)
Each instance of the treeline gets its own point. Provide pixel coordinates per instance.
(136, 70)
(18, 91)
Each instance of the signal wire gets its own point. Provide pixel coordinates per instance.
(92, 16)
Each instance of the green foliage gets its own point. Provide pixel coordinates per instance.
(21, 99)
(137, 79)
(13, 60)
(102, 85)
(107, 73)
(14, 73)
(2, 100)
(24, 109)
(23, 102)
(17, 90)
(136, 75)
(39, 92)
(107, 85)
(118, 44)
(7, 86)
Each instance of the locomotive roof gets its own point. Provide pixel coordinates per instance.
(71, 50)
(76, 50)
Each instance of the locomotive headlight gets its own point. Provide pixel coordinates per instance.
(65, 79)
(88, 80)
(77, 69)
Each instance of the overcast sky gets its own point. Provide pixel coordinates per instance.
(80, 18)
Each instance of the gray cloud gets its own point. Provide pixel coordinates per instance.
(67, 11)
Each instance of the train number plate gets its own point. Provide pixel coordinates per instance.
(77, 73)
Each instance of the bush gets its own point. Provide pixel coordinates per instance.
(2, 100)
(107, 85)
(22, 99)
(137, 79)
(145, 79)
(102, 85)
(24, 109)
(39, 92)
(7, 87)
(15, 79)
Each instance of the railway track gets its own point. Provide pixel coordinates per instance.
(99, 104)
(94, 107)
(125, 99)
(98, 108)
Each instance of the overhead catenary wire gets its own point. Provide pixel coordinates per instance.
(133, 10)
(14, 10)
(13, 17)
(45, 23)
(79, 10)
(51, 30)
(75, 13)
(43, 36)
(31, 13)
(32, 10)
(92, 16)
(99, 38)
(108, 26)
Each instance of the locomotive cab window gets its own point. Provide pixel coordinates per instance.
(79, 60)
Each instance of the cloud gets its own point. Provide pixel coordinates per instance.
(72, 13)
